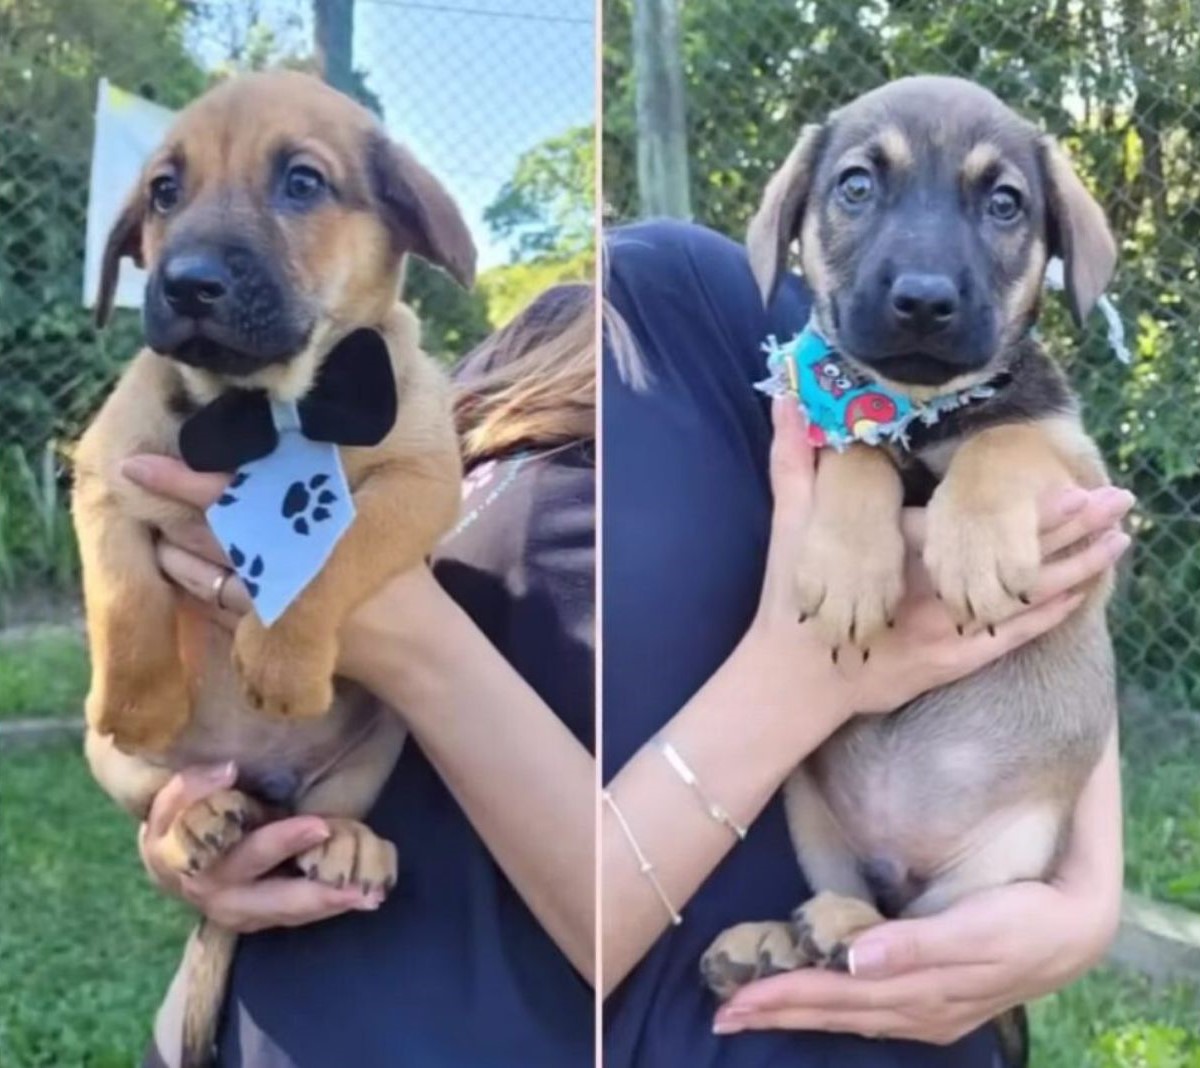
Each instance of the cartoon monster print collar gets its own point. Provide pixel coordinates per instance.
(843, 405)
(289, 503)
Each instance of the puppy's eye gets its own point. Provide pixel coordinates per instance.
(1004, 203)
(303, 183)
(856, 186)
(164, 193)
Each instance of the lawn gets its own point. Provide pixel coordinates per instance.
(87, 946)
(43, 672)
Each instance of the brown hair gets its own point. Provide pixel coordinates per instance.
(532, 384)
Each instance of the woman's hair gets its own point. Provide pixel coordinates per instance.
(532, 384)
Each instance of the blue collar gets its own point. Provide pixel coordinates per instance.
(842, 404)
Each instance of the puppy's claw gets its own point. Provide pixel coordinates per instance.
(866, 653)
(833, 654)
(991, 630)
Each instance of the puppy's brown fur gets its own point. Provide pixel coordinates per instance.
(971, 785)
(170, 689)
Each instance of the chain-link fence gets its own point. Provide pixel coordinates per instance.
(1115, 80)
(496, 97)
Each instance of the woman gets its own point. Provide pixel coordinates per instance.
(483, 954)
(702, 649)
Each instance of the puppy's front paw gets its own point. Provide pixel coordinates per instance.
(205, 831)
(850, 581)
(983, 559)
(353, 855)
(825, 925)
(284, 672)
(749, 951)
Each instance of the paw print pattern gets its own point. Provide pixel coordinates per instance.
(228, 497)
(249, 571)
(305, 504)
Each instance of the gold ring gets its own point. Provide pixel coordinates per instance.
(218, 587)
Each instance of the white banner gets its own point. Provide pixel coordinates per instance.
(128, 130)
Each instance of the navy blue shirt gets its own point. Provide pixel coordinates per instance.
(687, 507)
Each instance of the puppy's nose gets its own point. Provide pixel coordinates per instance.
(194, 283)
(924, 303)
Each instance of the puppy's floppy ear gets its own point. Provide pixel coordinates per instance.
(420, 213)
(124, 239)
(1077, 231)
(778, 218)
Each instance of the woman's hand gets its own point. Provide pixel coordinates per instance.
(936, 979)
(241, 891)
(925, 648)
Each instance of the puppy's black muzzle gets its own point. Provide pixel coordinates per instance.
(919, 327)
(221, 309)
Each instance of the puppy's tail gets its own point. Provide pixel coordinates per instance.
(207, 960)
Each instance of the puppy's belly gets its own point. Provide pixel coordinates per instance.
(978, 778)
(277, 759)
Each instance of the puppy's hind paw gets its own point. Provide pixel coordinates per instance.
(749, 951)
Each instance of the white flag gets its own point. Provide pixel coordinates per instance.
(128, 129)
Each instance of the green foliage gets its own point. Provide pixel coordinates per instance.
(453, 320)
(87, 945)
(37, 544)
(1117, 82)
(1112, 1019)
(546, 211)
(43, 672)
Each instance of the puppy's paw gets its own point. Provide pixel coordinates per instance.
(352, 855)
(825, 925)
(850, 581)
(983, 560)
(284, 672)
(749, 951)
(207, 830)
(143, 714)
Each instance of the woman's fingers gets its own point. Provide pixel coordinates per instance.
(183, 790)
(1100, 509)
(284, 902)
(270, 845)
(1080, 566)
(793, 472)
(873, 1023)
(204, 580)
(173, 478)
(1064, 517)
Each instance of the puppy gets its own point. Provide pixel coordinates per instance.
(274, 221)
(926, 211)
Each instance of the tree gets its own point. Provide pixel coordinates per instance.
(546, 212)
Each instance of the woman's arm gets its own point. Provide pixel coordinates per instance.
(525, 783)
(939, 978)
(778, 696)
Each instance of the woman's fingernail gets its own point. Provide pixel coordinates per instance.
(220, 773)
(867, 960)
(727, 1026)
(138, 469)
(316, 835)
(369, 903)
(1116, 542)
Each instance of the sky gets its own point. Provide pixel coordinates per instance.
(467, 84)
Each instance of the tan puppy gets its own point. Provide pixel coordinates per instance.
(925, 212)
(274, 221)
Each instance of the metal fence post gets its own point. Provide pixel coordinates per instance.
(662, 157)
(333, 22)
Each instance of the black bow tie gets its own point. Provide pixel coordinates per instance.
(352, 402)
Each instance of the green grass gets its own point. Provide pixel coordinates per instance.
(43, 673)
(1112, 1019)
(1161, 777)
(87, 946)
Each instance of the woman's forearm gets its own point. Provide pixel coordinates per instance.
(524, 781)
(741, 734)
(1095, 857)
